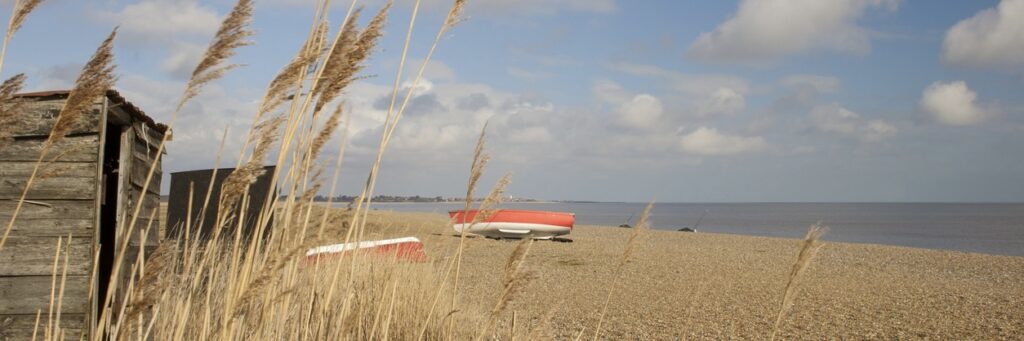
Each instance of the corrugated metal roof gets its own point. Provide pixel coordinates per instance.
(114, 97)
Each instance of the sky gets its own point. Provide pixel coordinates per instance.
(611, 100)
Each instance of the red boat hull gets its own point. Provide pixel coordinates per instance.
(515, 223)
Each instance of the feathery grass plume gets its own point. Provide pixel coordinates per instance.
(231, 35)
(514, 280)
(18, 14)
(454, 14)
(325, 133)
(96, 78)
(538, 331)
(10, 106)
(634, 238)
(476, 168)
(337, 58)
(236, 183)
(21, 11)
(281, 87)
(489, 206)
(152, 280)
(348, 55)
(808, 248)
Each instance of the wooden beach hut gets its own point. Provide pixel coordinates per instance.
(94, 183)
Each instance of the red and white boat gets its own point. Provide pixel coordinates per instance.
(406, 249)
(515, 224)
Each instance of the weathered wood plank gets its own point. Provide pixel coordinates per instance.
(142, 156)
(49, 188)
(33, 256)
(37, 119)
(53, 169)
(140, 171)
(148, 135)
(81, 148)
(51, 217)
(49, 209)
(27, 294)
(19, 327)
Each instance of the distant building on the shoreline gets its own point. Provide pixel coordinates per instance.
(414, 198)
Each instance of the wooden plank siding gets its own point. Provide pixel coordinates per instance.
(33, 256)
(37, 119)
(49, 188)
(24, 295)
(51, 217)
(77, 148)
(19, 327)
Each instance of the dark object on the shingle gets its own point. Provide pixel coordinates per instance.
(199, 180)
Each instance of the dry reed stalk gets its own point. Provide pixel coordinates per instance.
(339, 67)
(488, 207)
(514, 280)
(634, 238)
(96, 78)
(63, 283)
(393, 117)
(476, 169)
(808, 248)
(295, 117)
(337, 171)
(537, 332)
(19, 12)
(231, 35)
(53, 288)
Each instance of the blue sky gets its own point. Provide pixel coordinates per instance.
(710, 101)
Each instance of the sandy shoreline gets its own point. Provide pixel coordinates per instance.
(702, 285)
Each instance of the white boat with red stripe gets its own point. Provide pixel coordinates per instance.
(406, 249)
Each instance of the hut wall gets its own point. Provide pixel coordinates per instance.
(143, 154)
(62, 202)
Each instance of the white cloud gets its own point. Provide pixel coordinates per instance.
(818, 83)
(690, 84)
(764, 30)
(833, 118)
(708, 141)
(160, 21)
(527, 74)
(994, 36)
(642, 112)
(609, 91)
(545, 7)
(724, 101)
(952, 103)
(183, 60)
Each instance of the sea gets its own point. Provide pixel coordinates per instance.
(992, 228)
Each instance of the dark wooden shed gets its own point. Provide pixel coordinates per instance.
(92, 186)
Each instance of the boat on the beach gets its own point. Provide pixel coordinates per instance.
(406, 249)
(514, 224)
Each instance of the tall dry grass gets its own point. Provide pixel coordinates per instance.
(234, 286)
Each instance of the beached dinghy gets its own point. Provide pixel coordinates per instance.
(406, 249)
(515, 224)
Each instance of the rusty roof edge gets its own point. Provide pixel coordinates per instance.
(114, 96)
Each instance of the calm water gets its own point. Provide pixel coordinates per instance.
(985, 228)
